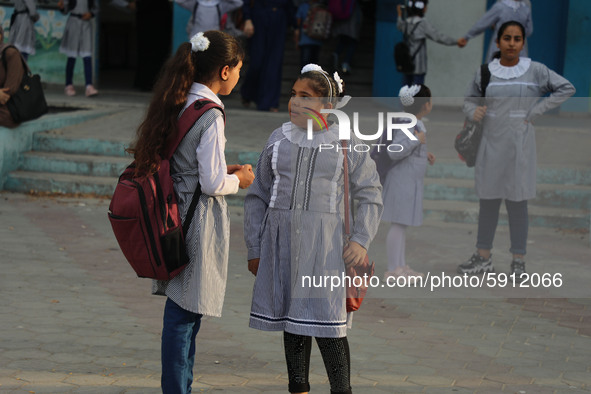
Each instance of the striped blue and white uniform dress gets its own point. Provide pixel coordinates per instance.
(199, 158)
(293, 222)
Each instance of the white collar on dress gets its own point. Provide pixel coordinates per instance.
(202, 91)
(515, 4)
(503, 72)
(297, 135)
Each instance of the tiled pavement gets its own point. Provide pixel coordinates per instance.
(74, 319)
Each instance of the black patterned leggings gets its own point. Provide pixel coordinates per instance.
(336, 357)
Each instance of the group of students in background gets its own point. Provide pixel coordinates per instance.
(76, 41)
(411, 21)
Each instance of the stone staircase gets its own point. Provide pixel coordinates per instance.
(69, 166)
(59, 164)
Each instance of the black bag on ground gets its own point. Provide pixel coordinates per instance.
(28, 102)
(468, 140)
(405, 61)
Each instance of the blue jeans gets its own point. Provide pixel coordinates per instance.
(178, 348)
(488, 217)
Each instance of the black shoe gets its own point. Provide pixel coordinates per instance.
(518, 269)
(476, 265)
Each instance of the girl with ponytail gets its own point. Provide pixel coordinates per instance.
(207, 66)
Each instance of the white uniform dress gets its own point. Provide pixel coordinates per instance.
(506, 161)
(201, 286)
(403, 187)
(293, 222)
(77, 39)
(22, 30)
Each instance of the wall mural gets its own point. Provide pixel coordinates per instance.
(48, 61)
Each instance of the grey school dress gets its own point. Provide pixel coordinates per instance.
(501, 12)
(207, 15)
(77, 39)
(293, 222)
(201, 286)
(506, 161)
(403, 187)
(418, 30)
(22, 30)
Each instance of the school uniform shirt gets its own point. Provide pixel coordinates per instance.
(506, 161)
(403, 187)
(77, 39)
(207, 14)
(201, 286)
(501, 12)
(22, 30)
(293, 222)
(418, 30)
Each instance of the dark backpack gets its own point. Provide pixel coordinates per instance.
(318, 22)
(405, 61)
(341, 9)
(144, 212)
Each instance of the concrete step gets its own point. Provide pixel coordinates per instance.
(548, 195)
(52, 142)
(68, 163)
(549, 175)
(26, 181)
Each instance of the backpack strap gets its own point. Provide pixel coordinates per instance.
(188, 119)
(484, 78)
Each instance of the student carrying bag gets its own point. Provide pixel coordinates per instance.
(144, 212)
(28, 102)
(405, 61)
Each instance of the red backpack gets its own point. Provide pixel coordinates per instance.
(144, 211)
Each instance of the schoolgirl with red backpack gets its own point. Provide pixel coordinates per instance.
(200, 70)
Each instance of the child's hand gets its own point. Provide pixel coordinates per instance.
(4, 96)
(421, 136)
(462, 42)
(245, 175)
(479, 113)
(431, 158)
(248, 28)
(253, 266)
(232, 168)
(353, 254)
